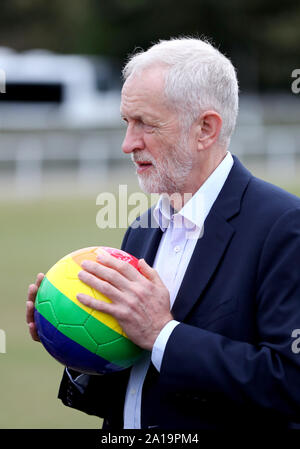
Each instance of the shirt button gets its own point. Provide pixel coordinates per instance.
(133, 391)
(177, 249)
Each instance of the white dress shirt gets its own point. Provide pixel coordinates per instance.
(181, 232)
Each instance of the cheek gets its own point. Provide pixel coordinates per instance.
(161, 147)
(164, 140)
(153, 145)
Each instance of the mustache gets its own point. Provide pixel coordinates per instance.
(138, 156)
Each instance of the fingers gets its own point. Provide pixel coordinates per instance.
(30, 310)
(100, 285)
(30, 320)
(149, 272)
(124, 268)
(116, 310)
(103, 273)
(33, 332)
(33, 288)
(39, 279)
(32, 292)
(102, 306)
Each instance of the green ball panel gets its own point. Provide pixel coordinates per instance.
(66, 311)
(107, 335)
(80, 335)
(84, 328)
(42, 293)
(46, 309)
(121, 352)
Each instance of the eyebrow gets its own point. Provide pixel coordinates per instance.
(146, 117)
(135, 117)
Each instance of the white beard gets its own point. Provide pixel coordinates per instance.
(169, 174)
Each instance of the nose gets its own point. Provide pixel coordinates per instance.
(133, 139)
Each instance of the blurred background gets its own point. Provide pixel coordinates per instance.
(61, 134)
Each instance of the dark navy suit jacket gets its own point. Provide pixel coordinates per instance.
(233, 360)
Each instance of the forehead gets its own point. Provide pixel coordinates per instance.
(143, 92)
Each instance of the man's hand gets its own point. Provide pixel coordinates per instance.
(32, 292)
(140, 300)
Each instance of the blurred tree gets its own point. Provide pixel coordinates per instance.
(261, 36)
(54, 25)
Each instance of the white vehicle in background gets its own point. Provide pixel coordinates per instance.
(48, 90)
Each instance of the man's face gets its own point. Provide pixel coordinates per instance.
(154, 139)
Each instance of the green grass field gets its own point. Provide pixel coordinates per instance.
(34, 235)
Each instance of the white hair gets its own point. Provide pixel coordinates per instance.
(198, 77)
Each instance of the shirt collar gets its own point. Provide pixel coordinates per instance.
(163, 212)
(195, 211)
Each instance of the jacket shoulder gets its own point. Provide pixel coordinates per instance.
(269, 198)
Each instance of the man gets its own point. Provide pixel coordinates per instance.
(217, 300)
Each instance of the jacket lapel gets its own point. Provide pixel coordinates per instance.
(146, 239)
(151, 245)
(206, 256)
(218, 233)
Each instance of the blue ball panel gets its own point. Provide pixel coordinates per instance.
(70, 353)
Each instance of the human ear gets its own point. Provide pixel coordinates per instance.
(208, 129)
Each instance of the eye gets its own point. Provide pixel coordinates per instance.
(148, 128)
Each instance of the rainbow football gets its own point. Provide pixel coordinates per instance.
(77, 336)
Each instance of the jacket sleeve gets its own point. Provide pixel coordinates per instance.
(266, 374)
(103, 395)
